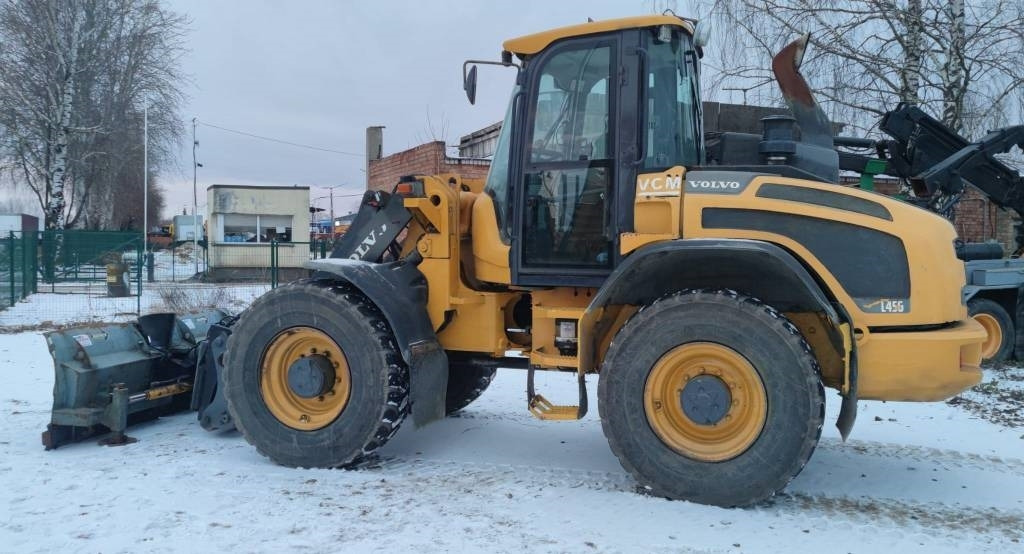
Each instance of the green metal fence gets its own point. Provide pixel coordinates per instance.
(82, 256)
(287, 256)
(62, 277)
(18, 267)
(74, 263)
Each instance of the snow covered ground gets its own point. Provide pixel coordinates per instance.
(914, 478)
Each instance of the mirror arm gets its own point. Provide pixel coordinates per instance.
(465, 66)
(469, 71)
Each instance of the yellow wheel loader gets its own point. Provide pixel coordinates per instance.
(713, 303)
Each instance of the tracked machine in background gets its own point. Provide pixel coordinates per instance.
(712, 303)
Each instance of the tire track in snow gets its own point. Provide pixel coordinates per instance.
(486, 473)
(924, 454)
(898, 514)
(825, 510)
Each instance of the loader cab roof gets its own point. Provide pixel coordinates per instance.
(531, 44)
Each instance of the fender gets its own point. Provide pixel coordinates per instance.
(664, 267)
(399, 290)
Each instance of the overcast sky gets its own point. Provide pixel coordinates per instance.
(320, 72)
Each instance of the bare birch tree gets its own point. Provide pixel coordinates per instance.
(74, 78)
(958, 60)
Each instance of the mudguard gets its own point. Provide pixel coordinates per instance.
(399, 291)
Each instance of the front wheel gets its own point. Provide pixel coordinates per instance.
(313, 377)
(712, 397)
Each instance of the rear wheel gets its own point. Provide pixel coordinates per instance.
(998, 324)
(312, 376)
(466, 382)
(711, 397)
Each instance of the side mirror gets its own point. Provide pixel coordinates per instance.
(469, 84)
(701, 33)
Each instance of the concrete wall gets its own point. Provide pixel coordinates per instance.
(257, 256)
(224, 201)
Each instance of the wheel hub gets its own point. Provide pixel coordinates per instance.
(705, 399)
(311, 376)
(304, 378)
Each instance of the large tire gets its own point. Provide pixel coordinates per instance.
(998, 324)
(336, 325)
(466, 383)
(731, 450)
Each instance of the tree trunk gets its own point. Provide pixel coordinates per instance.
(913, 54)
(55, 216)
(953, 69)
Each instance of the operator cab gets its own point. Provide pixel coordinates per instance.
(594, 106)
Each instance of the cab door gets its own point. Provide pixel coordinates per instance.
(570, 158)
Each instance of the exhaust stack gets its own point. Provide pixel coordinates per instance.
(814, 125)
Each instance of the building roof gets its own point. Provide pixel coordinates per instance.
(481, 134)
(531, 44)
(293, 187)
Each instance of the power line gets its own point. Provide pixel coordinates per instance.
(279, 141)
(353, 195)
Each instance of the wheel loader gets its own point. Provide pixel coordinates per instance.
(712, 302)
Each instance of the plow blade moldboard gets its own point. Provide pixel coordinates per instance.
(108, 377)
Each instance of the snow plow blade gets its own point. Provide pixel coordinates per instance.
(109, 377)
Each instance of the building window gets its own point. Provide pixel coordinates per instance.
(257, 228)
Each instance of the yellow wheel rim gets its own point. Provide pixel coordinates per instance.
(738, 409)
(991, 346)
(311, 411)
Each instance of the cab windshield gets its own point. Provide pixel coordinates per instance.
(497, 177)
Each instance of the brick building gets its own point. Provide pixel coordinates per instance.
(426, 159)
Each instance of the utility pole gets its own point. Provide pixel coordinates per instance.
(145, 201)
(331, 188)
(145, 177)
(195, 198)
